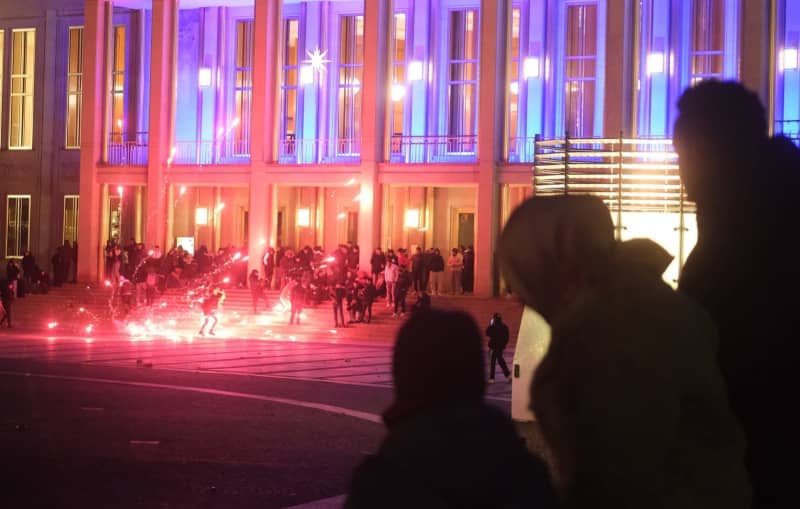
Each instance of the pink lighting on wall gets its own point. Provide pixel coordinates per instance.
(120, 191)
(412, 218)
(303, 218)
(182, 190)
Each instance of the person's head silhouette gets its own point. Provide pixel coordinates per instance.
(719, 133)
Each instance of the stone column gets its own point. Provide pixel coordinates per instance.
(94, 46)
(162, 111)
(491, 131)
(374, 97)
(267, 66)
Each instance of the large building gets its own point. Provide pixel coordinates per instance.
(377, 122)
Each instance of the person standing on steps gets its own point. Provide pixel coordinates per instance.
(390, 275)
(298, 300)
(498, 340)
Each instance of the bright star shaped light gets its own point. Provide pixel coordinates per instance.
(317, 60)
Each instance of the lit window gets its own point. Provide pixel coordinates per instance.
(708, 40)
(70, 231)
(398, 74)
(243, 87)
(23, 51)
(289, 89)
(513, 78)
(351, 69)
(462, 81)
(74, 86)
(580, 69)
(118, 86)
(2, 58)
(18, 220)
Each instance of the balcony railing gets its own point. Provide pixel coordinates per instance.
(211, 152)
(433, 149)
(630, 175)
(790, 129)
(307, 150)
(521, 150)
(127, 149)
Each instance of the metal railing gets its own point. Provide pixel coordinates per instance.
(211, 152)
(521, 150)
(636, 175)
(310, 150)
(433, 149)
(127, 149)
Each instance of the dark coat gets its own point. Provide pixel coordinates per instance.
(459, 456)
(377, 262)
(498, 335)
(436, 263)
(744, 274)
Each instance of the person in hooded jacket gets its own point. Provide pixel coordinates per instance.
(629, 395)
(446, 447)
(743, 273)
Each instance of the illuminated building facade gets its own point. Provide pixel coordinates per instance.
(382, 123)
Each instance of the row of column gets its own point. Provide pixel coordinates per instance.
(266, 77)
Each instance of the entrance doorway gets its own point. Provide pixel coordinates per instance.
(462, 229)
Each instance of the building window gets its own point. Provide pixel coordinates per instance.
(398, 92)
(74, 87)
(18, 220)
(23, 51)
(708, 40)
(462, 79)
(580, 69)
(351, 64)
(2, 59)
(243, 87)
(514, 75)
(118, 84)
(70, 231)
(289, 89)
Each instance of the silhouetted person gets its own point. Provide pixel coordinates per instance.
(29, 270)
(6, 299)
(629, 396)
(446, 447)
(210, 306)
(298, 301)
(337, 294)
(65, 259)
(422, 304)
(498, 340)
(468, 275)
(743, 271)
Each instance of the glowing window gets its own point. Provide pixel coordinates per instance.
(580, 69)
(243, 87)
(351, 69)
(708, 40)
(514, 75)
(289, 88)
(70, 229)
(399, 74)
(18, 221)
(23, 52)
(462, 80)
(118, 85)
(74, 87)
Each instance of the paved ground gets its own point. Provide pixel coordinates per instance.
(98, 421)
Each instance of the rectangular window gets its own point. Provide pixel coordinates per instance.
(514, 75)
(351, 64)
(18, 220)
(399, 74)
(70, 231)
(243, 87)
(289, 89)
(74, 87)
(118, 85)
(23, 52)
(708, 40)
(2, 59)
(462, 81)
(580, 69)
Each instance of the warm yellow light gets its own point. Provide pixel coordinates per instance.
(398, 92)
(201, 216)
(303, 217)
(412, 218)
(341, 215)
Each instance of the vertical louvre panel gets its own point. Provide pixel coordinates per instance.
(243, 87)
(23, 52)
(18, 215)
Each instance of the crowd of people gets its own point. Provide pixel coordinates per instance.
(646, 396)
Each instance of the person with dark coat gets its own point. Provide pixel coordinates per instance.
(401, 292)
(29, 270)
(12, 275)
(65, 259)
(497, 332)
(337, 295)
(56, 263)
(743, 272)
(256, 289)
(417, 270)
(423, 303)
(6, 299)
(352, 258)
(377, 263)
(444, 442)
(436, 266)
(468, 274)
(367, 295)
(269, 267)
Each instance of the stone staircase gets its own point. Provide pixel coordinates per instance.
(85, 309)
